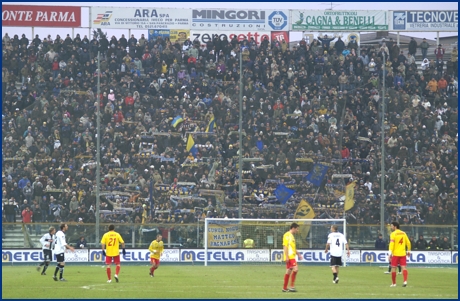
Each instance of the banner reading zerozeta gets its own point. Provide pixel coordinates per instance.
(339, 20)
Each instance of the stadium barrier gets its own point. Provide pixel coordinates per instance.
(230, 255)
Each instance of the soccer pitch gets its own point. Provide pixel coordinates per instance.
(226, 281)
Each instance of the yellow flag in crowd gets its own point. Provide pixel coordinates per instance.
(350, 196)
(303, 211)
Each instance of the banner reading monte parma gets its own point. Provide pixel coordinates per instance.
(41, 16)
(341, 20)
(139, 18)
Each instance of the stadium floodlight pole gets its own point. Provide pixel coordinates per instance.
(98, 146)
(240, 141)
(382, 151)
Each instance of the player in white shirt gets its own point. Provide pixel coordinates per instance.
(47, 242)
(59, 249)
(336, 241)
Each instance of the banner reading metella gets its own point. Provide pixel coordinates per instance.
(362, 20)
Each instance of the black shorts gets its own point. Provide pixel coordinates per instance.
(48, 255)
(336, 261)
(60, 257)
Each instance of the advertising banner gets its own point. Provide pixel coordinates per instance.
(224, 20)
(41, 16)
(309, 256)
(426, 257)
(206, 35)
(174, 35)
(235, 255)
(136, 255)
(339, 20)
(139, 18)
(36, 255)
(222, 234)
(439, 20)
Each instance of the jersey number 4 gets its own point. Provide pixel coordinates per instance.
(337, 242)
(112, 242)
(401, 241)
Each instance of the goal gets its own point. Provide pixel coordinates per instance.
(224, 239)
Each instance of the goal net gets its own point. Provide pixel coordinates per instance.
(261, 240)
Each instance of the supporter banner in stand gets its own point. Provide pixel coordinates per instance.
(439, 20)
(206, 35)
(360, 20)
(280, 36)
(139, 18)
(344, 35)
(223, 234)
(229, 20)
(41, 16)
(173, 34)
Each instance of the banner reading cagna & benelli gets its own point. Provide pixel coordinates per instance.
(41, 16)
(416, 20)
(339, 20)
(140, 18)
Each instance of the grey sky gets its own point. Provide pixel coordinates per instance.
(43, 32)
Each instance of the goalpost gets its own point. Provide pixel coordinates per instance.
(224, 238)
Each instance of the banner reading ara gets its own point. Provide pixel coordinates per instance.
(140, 18)
(227, 19)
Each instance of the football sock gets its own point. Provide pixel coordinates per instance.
(389, 268)
(61, 272)
(117, 270)
(109, 273)
(56, 270)
(286, 280)
(335, 275)
(399, 268)
(393, 277)
(151, 270)
(45, 267)
(293, 279)
(405, 272)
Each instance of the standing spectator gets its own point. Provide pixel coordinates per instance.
(424, 47)
(27, 218)
(439, 52)
(380, 243)
(412, 47)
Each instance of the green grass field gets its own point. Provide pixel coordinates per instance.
(227, 281)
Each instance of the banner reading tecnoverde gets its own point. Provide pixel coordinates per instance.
(223, 234)
(340, 20)
(139, 18)
(41, 16)
(443, 20)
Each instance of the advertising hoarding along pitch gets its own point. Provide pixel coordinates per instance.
(231, 20)
(443, 20)
(339, 20)
(41, 16)
(206, 35)
(139, 18)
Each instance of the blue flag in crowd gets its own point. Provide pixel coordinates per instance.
(316, 176)
(283, 193)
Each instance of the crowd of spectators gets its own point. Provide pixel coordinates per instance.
(317, 102)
